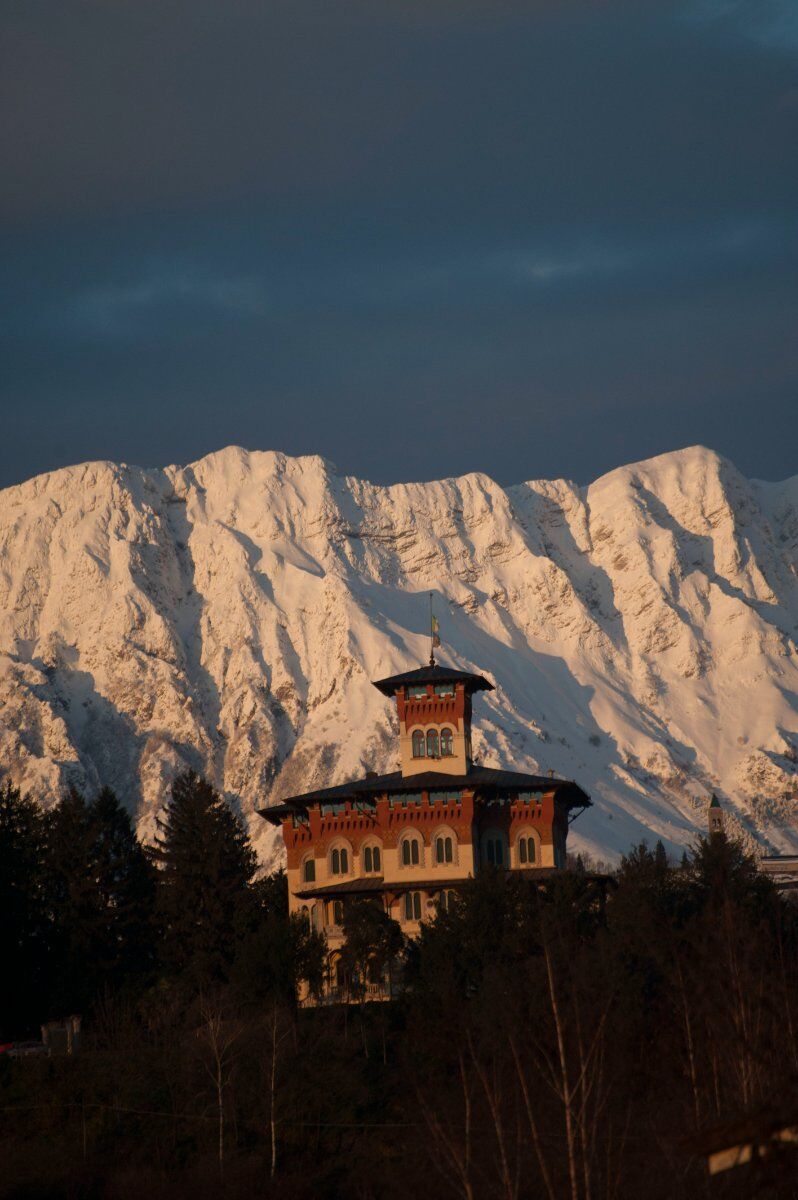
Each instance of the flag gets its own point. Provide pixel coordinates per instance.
(436, 640)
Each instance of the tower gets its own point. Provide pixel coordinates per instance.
(434, 709)
(715, 817)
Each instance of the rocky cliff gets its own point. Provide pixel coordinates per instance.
(229, 615)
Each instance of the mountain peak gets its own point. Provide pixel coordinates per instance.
(229, 615)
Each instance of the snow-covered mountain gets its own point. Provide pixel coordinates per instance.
(229, 615)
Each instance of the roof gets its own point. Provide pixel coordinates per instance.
(485, 780)
(375, 883)
(758, 1128)
(434, 674)
(714, 802)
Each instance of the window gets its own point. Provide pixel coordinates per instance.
(413, 906)
(432, 743)
(371, 860)
(419, 745)
(339, 862)
(493, 850)
(447, 744)
(337, 912)
(309, 870)
(526, 850)
(443, 850)
(444, 797)
(444, 689)
(417, 692)
(410, 852)
(446, 901)
(408, 798)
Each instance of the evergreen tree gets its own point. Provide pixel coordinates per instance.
(100, 892)
(206, 866)
(24, 928)
(275, 952)
(125, 881)
(373, 945)
(721, 870)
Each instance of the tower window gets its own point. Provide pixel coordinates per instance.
(309, 870)
(447, 746)
(339, 862)
(432, 743)
(410, 852)
(443, 850)
(526, 851)
(444, 690)
(419, 745)
(413, 906)
(417, 692)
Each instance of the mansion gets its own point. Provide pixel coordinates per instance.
(411, 838)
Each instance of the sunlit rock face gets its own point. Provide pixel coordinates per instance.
(229, 616)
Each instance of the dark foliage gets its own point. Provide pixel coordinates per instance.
(25, 934)
(206, 865)
(568, 1040)
(100, 892)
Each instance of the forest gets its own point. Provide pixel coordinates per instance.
(574, 1039)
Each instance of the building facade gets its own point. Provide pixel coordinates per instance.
(408, 840)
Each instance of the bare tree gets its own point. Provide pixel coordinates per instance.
(220, 1037)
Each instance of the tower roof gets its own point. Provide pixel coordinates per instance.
(436, 674)
(714, 802)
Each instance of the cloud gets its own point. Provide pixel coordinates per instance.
(125, 310)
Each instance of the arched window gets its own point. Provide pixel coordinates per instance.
(419, 745)
(372, 863)
(447, 745)
(309, 870)
(336, 912)
(339, 861)
(446, 901)
(411, 852)
(432, 743)
(493, 849)
(526, 850)
(413, 906)
(443, 849)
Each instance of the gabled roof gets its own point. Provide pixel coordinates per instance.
(486, 781)
(436, 674)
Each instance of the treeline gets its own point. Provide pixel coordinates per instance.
(560, 1041)
(89, 913)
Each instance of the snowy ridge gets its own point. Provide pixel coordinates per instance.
(229, 615)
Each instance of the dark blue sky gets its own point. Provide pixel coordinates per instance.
(419, 237)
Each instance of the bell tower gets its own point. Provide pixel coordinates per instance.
(434, 709)
(715, 817)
